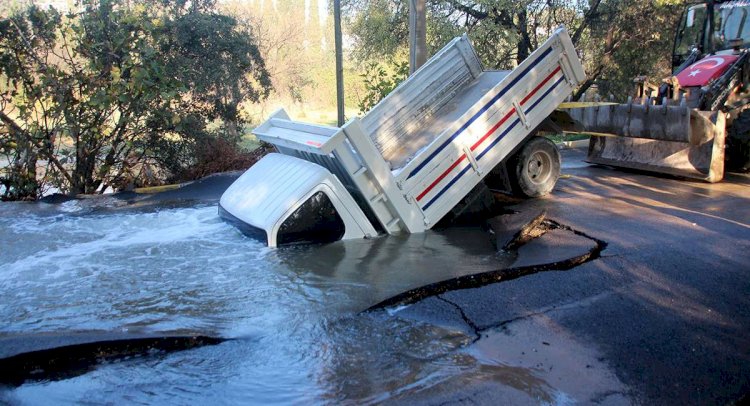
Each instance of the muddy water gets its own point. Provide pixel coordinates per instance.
(292, 314)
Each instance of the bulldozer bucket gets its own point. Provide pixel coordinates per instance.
(669, 139)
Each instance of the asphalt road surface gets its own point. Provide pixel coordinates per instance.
(662, 317)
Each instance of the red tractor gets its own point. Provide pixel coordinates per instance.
(697, 121)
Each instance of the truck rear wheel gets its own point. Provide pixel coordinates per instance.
(738, 144)
(534, 170)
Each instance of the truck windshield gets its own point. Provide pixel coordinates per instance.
(315, 221)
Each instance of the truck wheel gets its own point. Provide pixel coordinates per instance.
(738, 144)
(534, 170)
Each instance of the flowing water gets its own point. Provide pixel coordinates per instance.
(293, 314)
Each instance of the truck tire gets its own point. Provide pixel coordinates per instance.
(738, 144)
(535, 168)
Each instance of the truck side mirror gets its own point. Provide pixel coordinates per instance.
(690, 20)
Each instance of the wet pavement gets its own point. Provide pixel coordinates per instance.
(665, 309)
(656, 310)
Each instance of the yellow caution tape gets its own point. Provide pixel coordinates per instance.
(581, 105)
(156, 189)
(591, 133)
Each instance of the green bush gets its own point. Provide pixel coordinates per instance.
(114, 92)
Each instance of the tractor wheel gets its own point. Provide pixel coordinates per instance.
(737, 153)
(534, 170)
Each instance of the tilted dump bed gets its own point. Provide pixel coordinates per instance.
(409, 146)
(424, 147)
(397, 125)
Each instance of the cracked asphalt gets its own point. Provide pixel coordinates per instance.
(661, 317)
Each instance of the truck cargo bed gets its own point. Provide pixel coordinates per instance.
(436, 124)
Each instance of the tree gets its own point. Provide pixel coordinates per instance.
(114, 89)
(615, 52)
(618, 39)
(297, 43)
(378, 82)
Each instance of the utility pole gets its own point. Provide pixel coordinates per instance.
(417, 34)
(339, 61)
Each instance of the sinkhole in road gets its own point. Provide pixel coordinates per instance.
(539, 245)
(131, 301)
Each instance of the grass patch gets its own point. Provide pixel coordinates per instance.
(558, 138)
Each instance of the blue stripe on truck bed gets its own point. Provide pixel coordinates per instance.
(491, 145)
(479, 113)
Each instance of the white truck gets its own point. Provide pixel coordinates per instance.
(411, 159)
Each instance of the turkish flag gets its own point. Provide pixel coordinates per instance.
(705, 70)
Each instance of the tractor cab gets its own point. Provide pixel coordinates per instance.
(711, 27)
